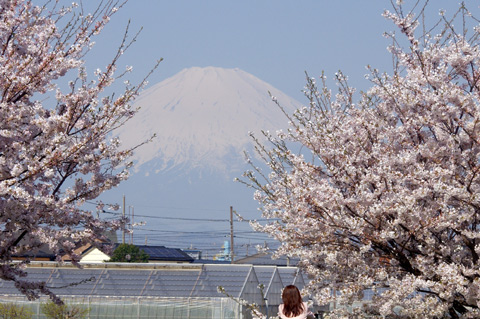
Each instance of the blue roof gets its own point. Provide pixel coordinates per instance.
(162, 253)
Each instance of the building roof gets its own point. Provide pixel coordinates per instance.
(162, 253)
(159, 280)
(266, 259)
(42, 253)
(156, 253)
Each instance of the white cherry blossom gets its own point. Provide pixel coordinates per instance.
(383, 196)
(55, 153)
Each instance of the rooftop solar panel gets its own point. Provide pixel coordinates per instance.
(162, 253)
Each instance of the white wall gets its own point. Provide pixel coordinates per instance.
(94, 256)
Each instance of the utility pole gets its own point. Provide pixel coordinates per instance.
(123, 230)
(231, 236)
(133, 215)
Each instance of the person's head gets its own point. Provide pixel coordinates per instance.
(292, 301)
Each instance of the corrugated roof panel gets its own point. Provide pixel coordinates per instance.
(7, 287)
(251, 290)
(231, 277)
(288, 275)
(171, 283)
(299, 280)
(264, 274)
(119, 282)
(35, 274)
(274, 290)
(68, 281)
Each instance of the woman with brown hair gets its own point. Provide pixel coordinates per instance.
(293, 307)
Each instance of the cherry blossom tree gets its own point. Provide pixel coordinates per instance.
(56, 149)
(383, 196)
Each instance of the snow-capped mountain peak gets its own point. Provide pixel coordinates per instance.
(201, 118)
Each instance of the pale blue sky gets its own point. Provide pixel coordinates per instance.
(275, 40)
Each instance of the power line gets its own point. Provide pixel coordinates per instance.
(185, 218)
(195, 219)
(198, 238)
(181, 231)
(180, 208)
(173, 218)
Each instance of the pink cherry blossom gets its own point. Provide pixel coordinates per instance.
(56, 153)
(383, 196)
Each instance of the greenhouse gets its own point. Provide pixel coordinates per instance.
(122, 290)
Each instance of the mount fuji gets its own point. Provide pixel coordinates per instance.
(182, 181)
(202, 118)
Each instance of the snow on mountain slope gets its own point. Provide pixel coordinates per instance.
(202, 117)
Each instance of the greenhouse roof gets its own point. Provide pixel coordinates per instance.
(161, 280)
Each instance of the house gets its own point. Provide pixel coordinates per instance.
(92, 254)
(156, 254)
(196, 254)
(43, 253)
